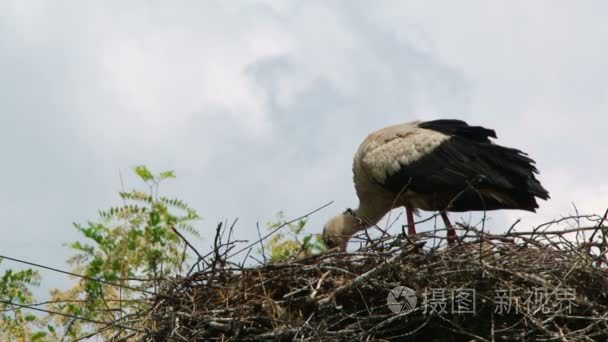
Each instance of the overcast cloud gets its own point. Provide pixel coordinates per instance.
(259, 106)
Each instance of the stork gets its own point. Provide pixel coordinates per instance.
(441, 165)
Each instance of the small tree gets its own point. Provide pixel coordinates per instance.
(291, 241)
(133, 246)
(16, 323)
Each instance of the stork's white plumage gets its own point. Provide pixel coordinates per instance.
(440, 165)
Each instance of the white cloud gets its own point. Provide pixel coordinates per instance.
(160, 79)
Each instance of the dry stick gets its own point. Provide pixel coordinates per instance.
(556, 221)
(397, 317)
(99, 331)
(469, 186)
(604, 241)
(391, 224)
(219, 233)
(366, 276)
(228, 244)
(492, 331)
(578, 221)
(368, 239)
(126, 338)
(458, 329)
(246, 257)
(383, 231)
(603, 245)
(67, 329)
(598, 227)
(103, 298)
(403, 189)
(319, 283)
(214, 251)
(513, 226)
(383, 239)
(260, 262)
(186, 241)
(257, 224)
(218, 244)
(279, 227)
(553, 232)
(483, 226)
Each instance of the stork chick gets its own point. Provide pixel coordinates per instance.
(440, 165)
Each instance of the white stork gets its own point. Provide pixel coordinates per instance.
(440, 165)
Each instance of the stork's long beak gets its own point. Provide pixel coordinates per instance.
(336, 247)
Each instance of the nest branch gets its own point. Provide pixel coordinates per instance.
(555, 278)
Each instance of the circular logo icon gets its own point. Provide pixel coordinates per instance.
(401, 299)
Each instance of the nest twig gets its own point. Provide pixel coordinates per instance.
(543, 284)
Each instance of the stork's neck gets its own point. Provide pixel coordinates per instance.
(370, 214)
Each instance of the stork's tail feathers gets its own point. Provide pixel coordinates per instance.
(519, 169)
(507, 171)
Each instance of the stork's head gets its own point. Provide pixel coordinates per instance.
(339, 229)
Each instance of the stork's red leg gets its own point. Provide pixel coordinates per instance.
(410, 221)
(451, 230)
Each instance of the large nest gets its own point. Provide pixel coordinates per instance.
(537, 285)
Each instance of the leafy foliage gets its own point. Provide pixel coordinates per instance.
(133, 246)
(17, 323)
(291, 241)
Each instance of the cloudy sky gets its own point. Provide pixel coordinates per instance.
(259, 105)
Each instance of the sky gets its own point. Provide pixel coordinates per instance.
(259, 106)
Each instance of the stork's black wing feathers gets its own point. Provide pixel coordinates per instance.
(467, 167)
(459, 128)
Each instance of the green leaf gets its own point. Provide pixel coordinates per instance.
(167, 174)
(306, 240)
(143, 172)
(39, 336)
